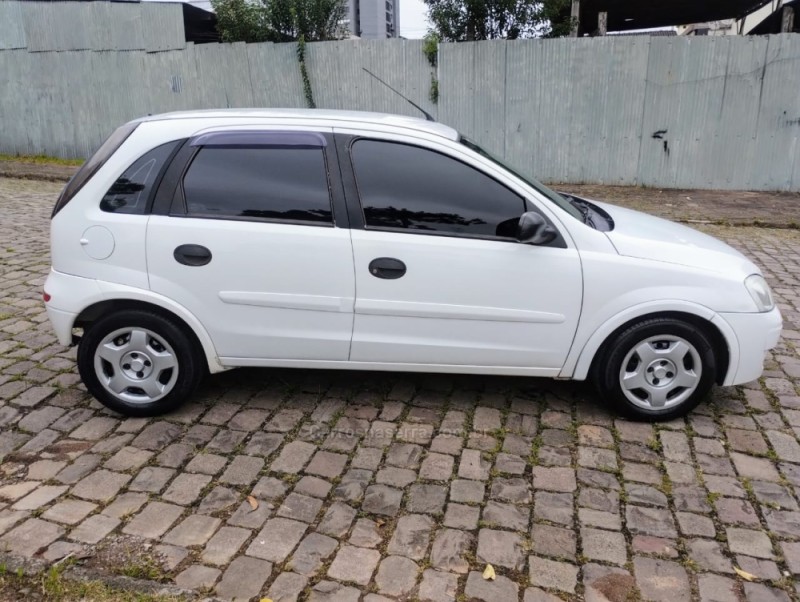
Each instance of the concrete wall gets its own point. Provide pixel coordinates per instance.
(667, 112)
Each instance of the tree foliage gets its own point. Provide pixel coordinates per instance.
(279, 20)
(460, 20)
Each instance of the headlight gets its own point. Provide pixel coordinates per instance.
(759, 291)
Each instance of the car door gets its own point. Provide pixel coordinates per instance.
(440, 276)
(253, 245)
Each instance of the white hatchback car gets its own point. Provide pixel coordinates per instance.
(195, 242)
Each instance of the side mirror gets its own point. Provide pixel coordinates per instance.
(534, 230)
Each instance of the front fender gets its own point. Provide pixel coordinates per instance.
(580, 358)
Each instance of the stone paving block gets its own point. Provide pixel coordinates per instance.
(152, 479)
(404, 455)
(502, 588)
(224, 545)
(605, 546)
(554, 507)
(650, 521)
(29, 537)
(244, 578)
(209, 464)
(411, 536)
(226, 441)
(219, 499)
(125, 505)
(695, 524)
(708, 555)
(81, 467)
(94, 528)
(749, 542)
(94, 429)
(337, 520)
(426, 498)
(353, 564)
(554, 479)
(300, 507)
(714, 588)
(263, 444)
(603, 583)
(69, 511)
(514, 490)
(41, 496)
(277, 539)
(437, 467)
(249, 518)
(293, 457)
(661, 580)
(242, 471)
(755, 468)
(154, 520)
(311, 554)
(185, 488)
(197, 576)
(366, 534)
(128, 458)
(100, 486)
(9, 518)
(473, 466)
(381, 499)
(326, 464)
(438, 586)
(330, 591)
(287, 587)
(758, 592)
(462, 490)
(395, 477)
(552, 574)
(194, 530)
(506, 516)
(460, 516)
(450, 550)
(157, 436)
(396, 576)
(501, 548)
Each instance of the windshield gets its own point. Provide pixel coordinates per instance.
(552, 195)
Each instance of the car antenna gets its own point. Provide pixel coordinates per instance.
(428, 116)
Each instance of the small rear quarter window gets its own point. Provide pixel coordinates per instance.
(131, 191)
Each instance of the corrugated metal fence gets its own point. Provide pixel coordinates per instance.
(670, 112)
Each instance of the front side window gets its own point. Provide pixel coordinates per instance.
(287, 183)
(131, 191)
(412, 188)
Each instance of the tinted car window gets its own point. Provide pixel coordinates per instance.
(404, 186)
(131, 191)
(285, 183)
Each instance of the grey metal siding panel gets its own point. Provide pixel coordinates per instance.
(12, 29)
(680, 112)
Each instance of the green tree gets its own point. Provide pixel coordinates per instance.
(279, 20)
(460, 20)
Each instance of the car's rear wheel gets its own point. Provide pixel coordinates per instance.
(656, 369)
(139, 363)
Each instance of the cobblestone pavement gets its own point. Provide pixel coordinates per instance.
(346, 486)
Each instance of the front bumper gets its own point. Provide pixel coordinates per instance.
(755, 334)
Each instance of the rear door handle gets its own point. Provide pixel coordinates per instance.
(192, 255)
(388, 268)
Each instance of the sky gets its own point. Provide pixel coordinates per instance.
(413, 19)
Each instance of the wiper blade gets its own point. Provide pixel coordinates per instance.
(586, 213)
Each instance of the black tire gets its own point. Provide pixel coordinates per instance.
(607, 369)
(189, 369)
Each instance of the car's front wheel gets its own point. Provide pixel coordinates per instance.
(656, 369)
(139, 363)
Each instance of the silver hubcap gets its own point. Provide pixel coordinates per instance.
(660, 372)
(136, 365)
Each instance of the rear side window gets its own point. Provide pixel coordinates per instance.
(411, 188)
(92, 166)
(286, 183)
(132, 190)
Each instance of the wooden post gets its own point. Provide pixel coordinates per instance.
(576, 15)
(602, 23)
(787, 19)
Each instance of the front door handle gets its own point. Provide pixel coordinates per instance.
(192, 255)
(388, 268)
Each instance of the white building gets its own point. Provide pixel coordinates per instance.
(373, 19)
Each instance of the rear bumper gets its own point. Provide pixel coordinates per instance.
(755, 335)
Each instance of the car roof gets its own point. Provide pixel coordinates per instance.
(310, 115)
